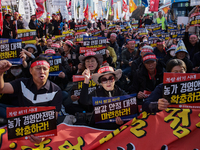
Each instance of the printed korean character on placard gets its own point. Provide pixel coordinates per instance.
(174, 99)
(19, 131)
(17, 122)
(104, 116)
(167, 80)
(96, 102)
(13, 113)
(13, 54)
(109, 100)
(96, 42)
(103, 109)
(45, 125)
(2, 55)
(26, 119)
(183, 78)
(111, 107)
(183, 99)
(105, 101)
(174, 88)
(111, 114)
(178, 79)
(32, 118)
(51, 114)
(173, 79)
(27, 130)
(191, 97)
(97, 110)
(13, 46)
(118, 105)
(51, 62)
(183, 87)
(34, 128)
(197, 96)
(44, 116)
(126, 103)
(10, 124)
(92, 43)
(6, 55)
(118, 113)
(190, 86)
(197, 85)
(132, 101)
(38, 117)
(100, 102)
(2, 48)
(166, 90)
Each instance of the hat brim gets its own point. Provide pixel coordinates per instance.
(99, 57)
(149, 60)
(118, 73)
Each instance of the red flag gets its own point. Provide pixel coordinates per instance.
(86, 15)
(112, 2)
(154, 5)
(40, 9)
(125, 6)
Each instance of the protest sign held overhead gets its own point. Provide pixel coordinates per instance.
(10, 50)
(78, 85)
(99, 50)
(182, 90)
(80, 28)
(24, 121)
(94, 42)
(195, 19)
(26, 35)
(106, 109)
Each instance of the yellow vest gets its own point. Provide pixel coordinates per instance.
(161, 21)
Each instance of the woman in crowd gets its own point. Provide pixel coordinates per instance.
(92, 62)
(106, 78)
(155, 102)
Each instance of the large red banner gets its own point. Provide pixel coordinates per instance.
(173, 129)
(154, 5)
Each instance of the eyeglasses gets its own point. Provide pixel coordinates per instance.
(105, 80)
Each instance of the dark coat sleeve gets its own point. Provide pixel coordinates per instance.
(150, 103)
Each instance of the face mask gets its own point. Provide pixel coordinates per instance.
(16, 72)
(172, 53)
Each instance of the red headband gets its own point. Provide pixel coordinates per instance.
(105, 69)
(50, 51)
(149, 57)
(193, 36)
(131, 41)
(147, 50)
(40, 62)
(161, 43)
(55, 45)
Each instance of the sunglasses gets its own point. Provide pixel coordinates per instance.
(105, 80)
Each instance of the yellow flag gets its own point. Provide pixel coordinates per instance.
(165, 9)
(132, 6)
(117, 13)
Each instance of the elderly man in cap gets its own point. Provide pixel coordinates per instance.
(128, 55)
(48, 28)
(113, 43)
(148, 76)
(7, 27)
(35, 91)
(160, 50)
(191, 43)
(16, 24)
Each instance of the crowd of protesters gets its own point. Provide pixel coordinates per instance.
(128, 69)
